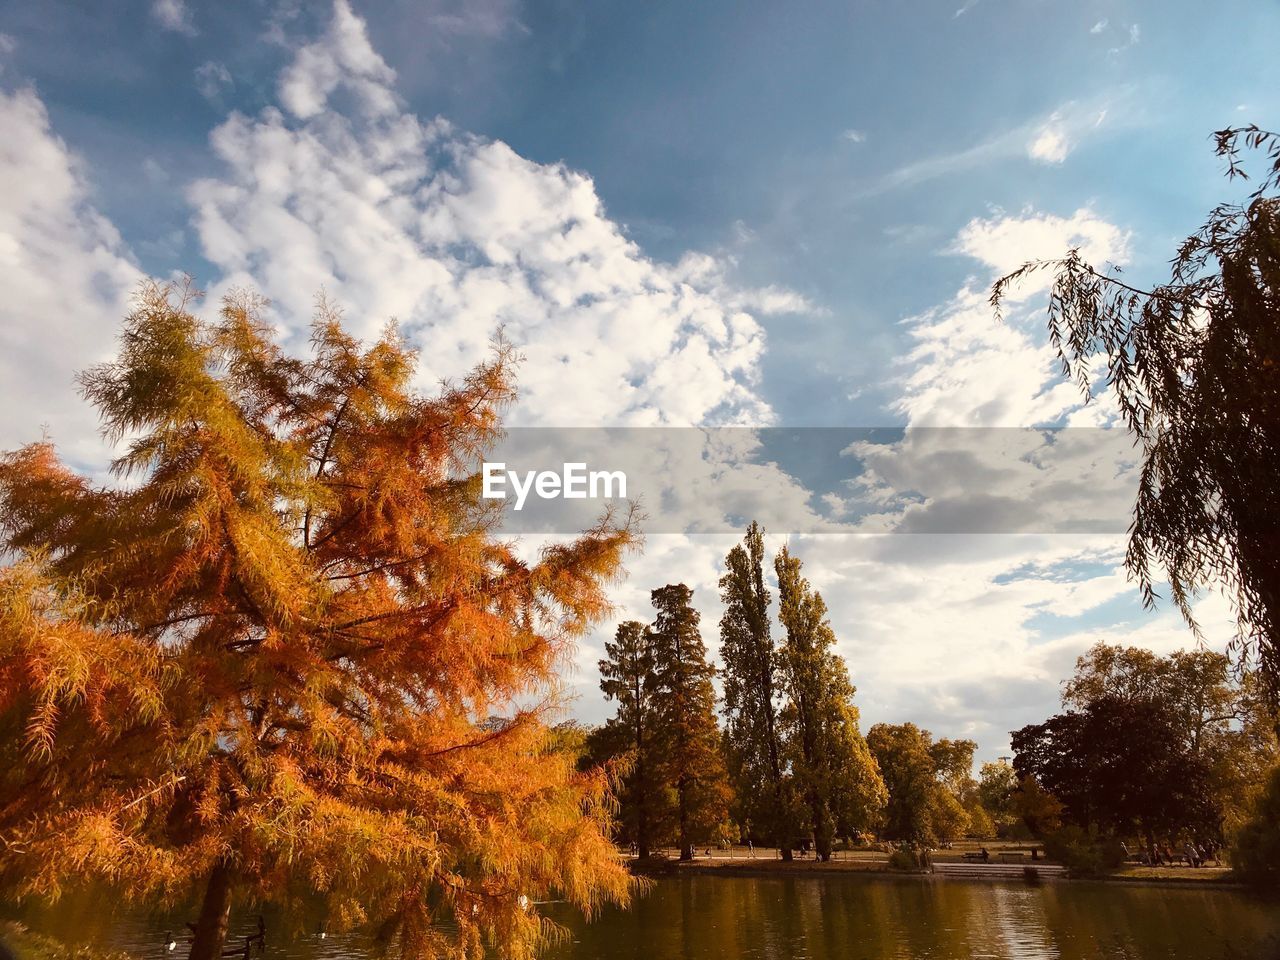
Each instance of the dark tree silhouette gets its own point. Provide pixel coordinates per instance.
(1194, 364)
(627, 677)
(1120, 766)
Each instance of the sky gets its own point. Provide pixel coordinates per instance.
(689, 216)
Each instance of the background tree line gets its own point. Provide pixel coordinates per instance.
(1150, 751)
(790, 766)
(1153, 752)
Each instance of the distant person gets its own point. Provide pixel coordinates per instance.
(751, 849)
(986, 855)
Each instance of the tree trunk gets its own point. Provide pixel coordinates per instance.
(686, 844)
(642, 788)
(211, 927)
(642, 831)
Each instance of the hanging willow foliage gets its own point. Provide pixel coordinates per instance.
(1194, 365)
(289, 660)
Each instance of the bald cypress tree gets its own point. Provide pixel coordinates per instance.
(834, 772)
(691, 759)
(289, 661)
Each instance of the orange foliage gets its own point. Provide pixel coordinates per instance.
(290, 646)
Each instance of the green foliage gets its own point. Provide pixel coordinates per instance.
(1255, 848)
(753, 747)
(688, 757)
(1038, 809)
(835, 774)
(1152, 745)
(996, 785)
(1084, 854)
(1192, 365)
(628, 678)
(908, 860)
(925, 782)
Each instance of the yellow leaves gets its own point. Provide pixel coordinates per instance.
(294, 644)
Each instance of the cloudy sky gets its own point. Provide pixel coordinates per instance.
(688, 216)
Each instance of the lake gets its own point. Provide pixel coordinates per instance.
(843, 918)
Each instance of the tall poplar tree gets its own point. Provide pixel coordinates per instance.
(753, 743)
(627, 677)
(289, 661)
(692, 762)
(834, 771)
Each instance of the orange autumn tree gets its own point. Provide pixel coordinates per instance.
(289, 660)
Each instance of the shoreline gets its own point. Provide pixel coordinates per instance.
(852, 869)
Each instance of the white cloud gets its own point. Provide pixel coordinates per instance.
(1065, 127)
(1133, 36)
(66, 276)
(342, 57)
(174, 15)
(1002, 242)
(1050, 144)
(968, 369)
(1099, 26)
(455, 234)
(855, 136)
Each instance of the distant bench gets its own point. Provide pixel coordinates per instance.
(1005, 856)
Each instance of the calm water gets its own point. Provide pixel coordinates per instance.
(835, 919)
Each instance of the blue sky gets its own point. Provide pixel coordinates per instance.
(686, 214)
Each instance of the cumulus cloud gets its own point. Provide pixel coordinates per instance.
(454, 235)
(342, 188)
(343, 57)
(855, 136)
(66, 275)
(174, 15)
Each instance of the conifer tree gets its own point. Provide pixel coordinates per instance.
(834, 771)
(627, 677)
(289, 661)
(690, 744)
(753, 743)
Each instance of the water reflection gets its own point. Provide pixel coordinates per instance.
(843, 918)
(877, 919)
